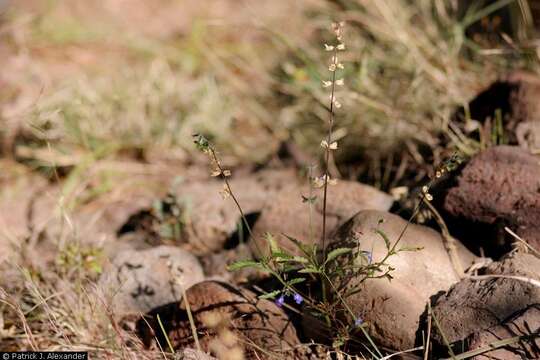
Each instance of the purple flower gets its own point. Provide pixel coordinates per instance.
(280, 301)
(369, 256)
(358, 322)
(298, 298)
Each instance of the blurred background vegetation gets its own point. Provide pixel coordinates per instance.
(90, 86)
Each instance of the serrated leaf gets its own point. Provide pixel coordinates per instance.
(336, 252)
(289, 268)
(309, 270)
(300, 259)
(274, 247)
(270, 295)
(281, 257)
(296, 281)
(298, 244)
(242, 264)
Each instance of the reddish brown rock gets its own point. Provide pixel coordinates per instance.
(392, 309)
(524, 324)
(516, 96)
(224, 316)
(287, 214)
(500, 187)
(473, 306)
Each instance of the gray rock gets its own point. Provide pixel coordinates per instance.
(140, 281)
(393, 308)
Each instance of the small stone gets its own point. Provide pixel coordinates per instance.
(139, 281)
(252, 321)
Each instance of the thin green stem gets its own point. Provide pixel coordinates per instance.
(353, 315)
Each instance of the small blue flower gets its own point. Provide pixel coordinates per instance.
(280, 301)
(298, 298)
(369, 256)
(358, 322)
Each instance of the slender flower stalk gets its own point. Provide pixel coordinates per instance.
(328, 144)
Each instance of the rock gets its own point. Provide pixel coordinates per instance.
(215, 266)
(525, 323)
(226, 318)
(393, 308)
(528, 135)
(288, 214)
(206, 220)
(516, 96)
(140, 281)
(499, 187)
(477, 305)
(192, 354)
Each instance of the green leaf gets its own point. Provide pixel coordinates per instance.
(300, 259)
(296, 281)
(309, 270)
(411, 248)
(274, 247)
(242, 264)
(385, 238)
(302, 247)
(270, 295)
(281, 256)
(336, 252)
(309, 199)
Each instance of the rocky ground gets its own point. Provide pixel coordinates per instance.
(469, 292)
(146, 266)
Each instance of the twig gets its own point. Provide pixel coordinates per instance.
(449, 241)
(426, 352)
(517, 237)
(514, 277)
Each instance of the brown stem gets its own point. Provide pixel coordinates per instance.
(327, 154)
